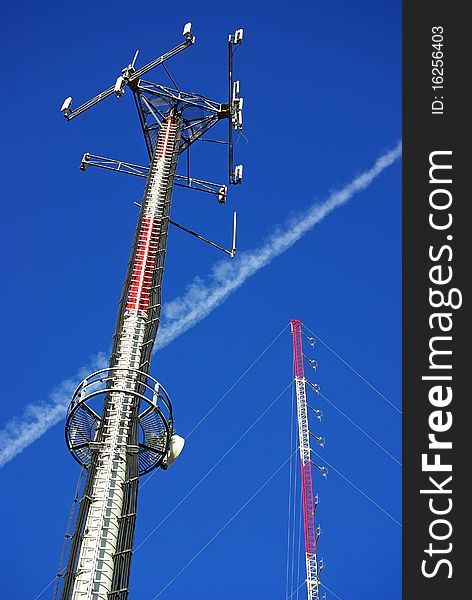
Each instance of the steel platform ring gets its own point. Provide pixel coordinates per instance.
(155, 423)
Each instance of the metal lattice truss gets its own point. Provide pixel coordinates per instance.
(199, 113)
(309, 499)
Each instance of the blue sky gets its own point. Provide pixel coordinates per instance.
(322, 88)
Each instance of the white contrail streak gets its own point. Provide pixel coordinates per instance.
(201, 297)
(36, 419)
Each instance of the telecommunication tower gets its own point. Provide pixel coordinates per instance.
(309, 499)
(120, 423)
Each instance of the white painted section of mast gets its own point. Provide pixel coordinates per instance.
(95, 565)
(302, 413)
(312, 577)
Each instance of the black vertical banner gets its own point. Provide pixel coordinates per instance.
(437, 240)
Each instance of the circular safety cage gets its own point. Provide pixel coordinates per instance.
(87, 423)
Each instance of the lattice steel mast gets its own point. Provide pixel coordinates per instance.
(120, 423)
(309, 499)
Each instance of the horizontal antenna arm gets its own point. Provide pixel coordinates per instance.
(91, 160)
(158, 61)
(120, 166)
(83, 107)
(133, 78)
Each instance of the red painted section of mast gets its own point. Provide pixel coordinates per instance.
(297, 348)
(146, 252)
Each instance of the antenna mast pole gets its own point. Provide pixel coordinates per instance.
(120, 423)
(309, 500)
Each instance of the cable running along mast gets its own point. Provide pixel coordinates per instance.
(309, 499)
(120, 423)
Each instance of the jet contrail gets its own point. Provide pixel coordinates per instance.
(36, 419)
(201, 297)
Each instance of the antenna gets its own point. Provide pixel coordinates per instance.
(235, 102)
(120, 423)
(233, 251)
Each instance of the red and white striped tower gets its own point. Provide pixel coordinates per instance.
(308, 497)
(120, 422)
